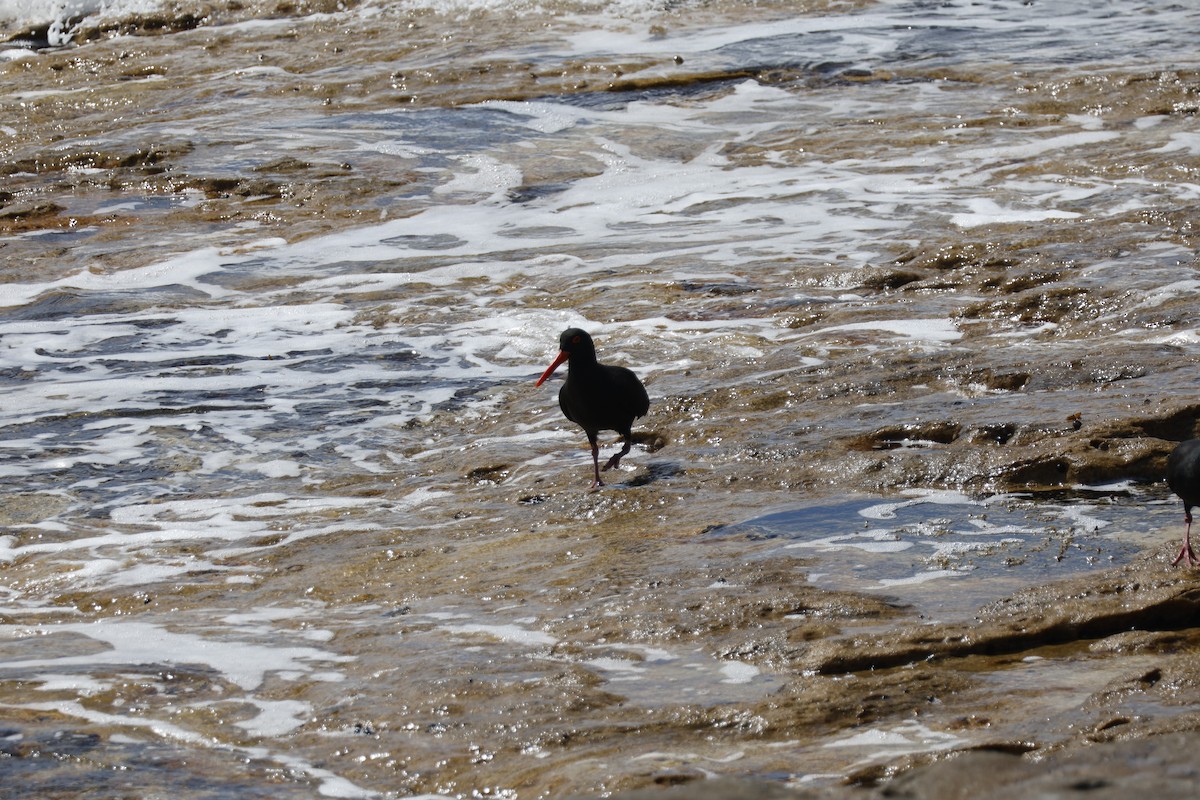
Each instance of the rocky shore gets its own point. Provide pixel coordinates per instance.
(1129, 634)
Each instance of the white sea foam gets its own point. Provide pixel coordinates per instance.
(615, 665)
(198, 521)
(988, 212)
(908, 737)
(276, 717)
(140, 644)
(922, 577)
(44, 11)
(111, 646)
(329, 784)
(1028, 148)
(872, 541)
(739, 672)
(163, 730)
(663, 677)
(505, 633)
(484, 176)
(929, 330)
(920, 496)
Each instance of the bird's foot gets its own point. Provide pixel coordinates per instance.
(613, 463)
(1187, 555)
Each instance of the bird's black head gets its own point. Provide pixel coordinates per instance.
(575, 340)
(573, 344)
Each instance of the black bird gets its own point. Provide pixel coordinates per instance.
(1183, 476)
(597, 397)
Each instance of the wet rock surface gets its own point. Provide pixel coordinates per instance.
(1159, 764)
(1110, 752)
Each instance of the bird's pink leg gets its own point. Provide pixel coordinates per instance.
(596, 484)
(1186, 554)
(616, 460)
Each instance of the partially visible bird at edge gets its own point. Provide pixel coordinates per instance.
(1183, 476)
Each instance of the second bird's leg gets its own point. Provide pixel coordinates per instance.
(1186, 554)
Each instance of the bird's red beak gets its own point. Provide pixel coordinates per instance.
(562, 356)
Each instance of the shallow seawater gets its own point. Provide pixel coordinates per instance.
(946, 553)
(910, 286)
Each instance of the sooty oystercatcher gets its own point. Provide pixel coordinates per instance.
(1183, 476)
(597, 397)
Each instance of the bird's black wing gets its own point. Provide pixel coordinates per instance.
(563, 404)
(634, 400)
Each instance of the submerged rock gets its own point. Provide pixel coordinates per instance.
(1141, 597)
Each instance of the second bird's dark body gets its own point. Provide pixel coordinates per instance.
(597, 397)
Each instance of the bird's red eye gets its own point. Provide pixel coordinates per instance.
(575, 340)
